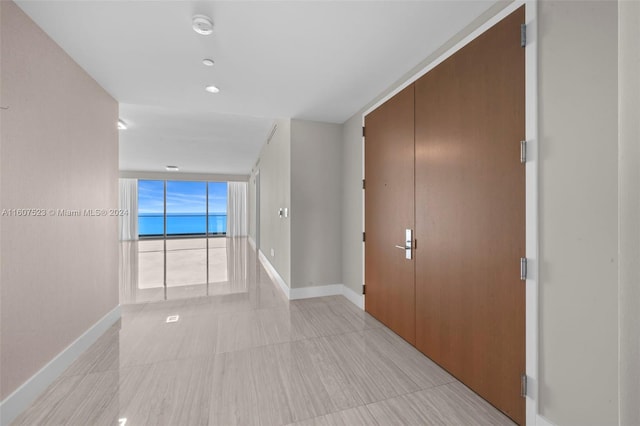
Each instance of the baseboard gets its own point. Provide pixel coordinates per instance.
(353, 297)
(251, 242)
(22, 397)
(328, 290)
(274, 275)
(542, 421)
(310, 292)
(316, 291)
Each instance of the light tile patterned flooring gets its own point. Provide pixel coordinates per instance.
(254, 358)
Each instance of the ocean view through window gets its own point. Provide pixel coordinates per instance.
(192, 208)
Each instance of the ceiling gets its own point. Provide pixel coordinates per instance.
(316, 60)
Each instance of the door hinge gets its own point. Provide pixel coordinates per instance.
(523, 385)
(523, 268)
(523, 151)
(363, 131)
(523, 35)
(363, 186)
(363, 237)
(364, 289)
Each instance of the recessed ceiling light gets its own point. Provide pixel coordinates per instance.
(202, 24)
(208, 62)
(212, 89)
(122, 125)
(172, 168)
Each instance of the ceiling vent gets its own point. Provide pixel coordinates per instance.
(202, 24)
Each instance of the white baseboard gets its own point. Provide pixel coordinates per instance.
(310, 292)
(274, 275)
(251, 242)
(22, 397)
(542, 421)
(316, 291)
(353, 297)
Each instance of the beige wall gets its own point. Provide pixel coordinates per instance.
(59, 150)
(275, 187)
(629, 192)
(578, 105)
(316, 176)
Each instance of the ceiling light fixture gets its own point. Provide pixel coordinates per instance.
(208, 62)
(212, 89)
(122, 125)
(202, 24)
(172, 168)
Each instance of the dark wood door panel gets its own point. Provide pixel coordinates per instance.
(470, 215)
(389, 210)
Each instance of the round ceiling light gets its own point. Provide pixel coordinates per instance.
(208, 62)
(202, 24)
(212, 89)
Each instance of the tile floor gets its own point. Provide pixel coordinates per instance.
(252, 357)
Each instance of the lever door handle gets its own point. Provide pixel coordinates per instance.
(408, 244)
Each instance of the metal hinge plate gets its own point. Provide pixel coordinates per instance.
(363, 237)
(363, 131)
(523, 151)
(363, 185)
(523, 385)
(523, 268)
(364, 289)
(523, 35)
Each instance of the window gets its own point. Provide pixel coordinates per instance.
(181, 208)
(217, 207)
(151, 208)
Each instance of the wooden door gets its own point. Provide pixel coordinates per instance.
(389, 211)
(470, 220)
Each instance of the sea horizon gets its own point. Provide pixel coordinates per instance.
(152, 224)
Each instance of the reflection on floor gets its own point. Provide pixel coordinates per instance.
(251, 358)
(192, 269)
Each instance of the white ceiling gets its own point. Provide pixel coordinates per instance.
(317, 60)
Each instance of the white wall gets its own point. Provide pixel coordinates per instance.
(352, 218)
(251, 204)
(275, 193)
(629, 193)
(59, 150)
(211, 177)
(316, 175)
(578, 106)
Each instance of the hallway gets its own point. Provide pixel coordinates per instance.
(253, 357)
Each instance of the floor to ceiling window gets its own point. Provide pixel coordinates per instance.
(178, 222)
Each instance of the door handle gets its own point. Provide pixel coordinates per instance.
(408, 244)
